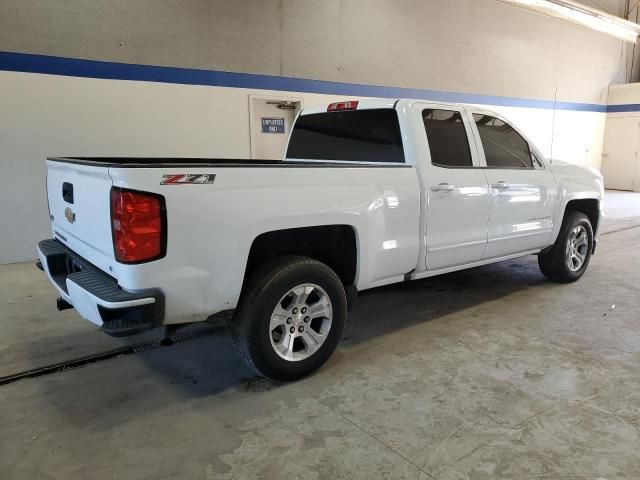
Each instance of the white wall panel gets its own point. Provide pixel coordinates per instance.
(624, 94)
(621, 150)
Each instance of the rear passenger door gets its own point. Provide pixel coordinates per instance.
(522, 188)
(457, 199)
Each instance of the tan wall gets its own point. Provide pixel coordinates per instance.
(477, 46)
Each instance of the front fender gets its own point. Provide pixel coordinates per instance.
(575, 182)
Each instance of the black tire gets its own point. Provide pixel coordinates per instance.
(266, 287)
(553, 262)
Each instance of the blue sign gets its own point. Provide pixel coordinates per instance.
(272, 125)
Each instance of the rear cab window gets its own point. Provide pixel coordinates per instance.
(368, 135)
(447, 137)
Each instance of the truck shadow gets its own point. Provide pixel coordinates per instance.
(383, 310)
(208, 367)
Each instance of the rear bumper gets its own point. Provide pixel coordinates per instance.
(96, 296)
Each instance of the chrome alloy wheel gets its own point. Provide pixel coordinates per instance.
(577, 248)
(300, 322)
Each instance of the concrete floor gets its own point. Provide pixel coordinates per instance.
(620, 205)
(488, 373)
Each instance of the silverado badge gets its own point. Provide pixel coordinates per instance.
(69, 215)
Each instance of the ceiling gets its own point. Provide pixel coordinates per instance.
(614, 7)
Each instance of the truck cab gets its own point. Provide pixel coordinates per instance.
(488, 194)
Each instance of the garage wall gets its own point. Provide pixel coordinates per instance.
(548, 76)
(624, 98)
(621, 159)
(475, 46)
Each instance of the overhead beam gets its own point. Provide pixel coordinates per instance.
(583, 15)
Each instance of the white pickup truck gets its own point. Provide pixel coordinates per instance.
(369, 193)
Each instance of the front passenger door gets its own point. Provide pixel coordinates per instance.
(457, 203)
(522, 189)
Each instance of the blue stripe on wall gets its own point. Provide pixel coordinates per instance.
(22, 62)
(632, 107)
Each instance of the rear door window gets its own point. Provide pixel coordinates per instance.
(447, 137)
(503, 146)
(355, 135)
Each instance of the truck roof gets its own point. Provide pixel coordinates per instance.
(367, 103)
(374, 103)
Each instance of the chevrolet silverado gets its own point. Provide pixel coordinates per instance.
(369, 193)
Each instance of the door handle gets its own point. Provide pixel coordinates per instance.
(442, 187)
(501, 185)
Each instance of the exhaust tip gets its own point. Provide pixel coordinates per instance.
(62, 304)
(168, 337)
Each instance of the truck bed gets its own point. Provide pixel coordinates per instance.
(211, 227)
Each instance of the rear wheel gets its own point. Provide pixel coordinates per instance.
(290, 318)
(568, 258)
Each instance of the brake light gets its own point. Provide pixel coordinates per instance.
(349, 105)
(138, 225)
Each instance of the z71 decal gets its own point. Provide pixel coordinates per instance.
(187, 178)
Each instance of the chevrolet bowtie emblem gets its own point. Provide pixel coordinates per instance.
(69, 215)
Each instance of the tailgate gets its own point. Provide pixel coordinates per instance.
(79, 205)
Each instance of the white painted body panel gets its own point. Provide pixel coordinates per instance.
(456, 219)
(211, 227)
(402, 227)
(90, 233)
(520, 215)
(574, 182)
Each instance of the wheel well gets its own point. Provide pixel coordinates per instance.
(589, 206)
(334, 245)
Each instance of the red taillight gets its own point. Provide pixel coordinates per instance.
(350, 105)
(137, 225)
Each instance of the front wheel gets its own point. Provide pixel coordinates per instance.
(568, 258)
(290, 319)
